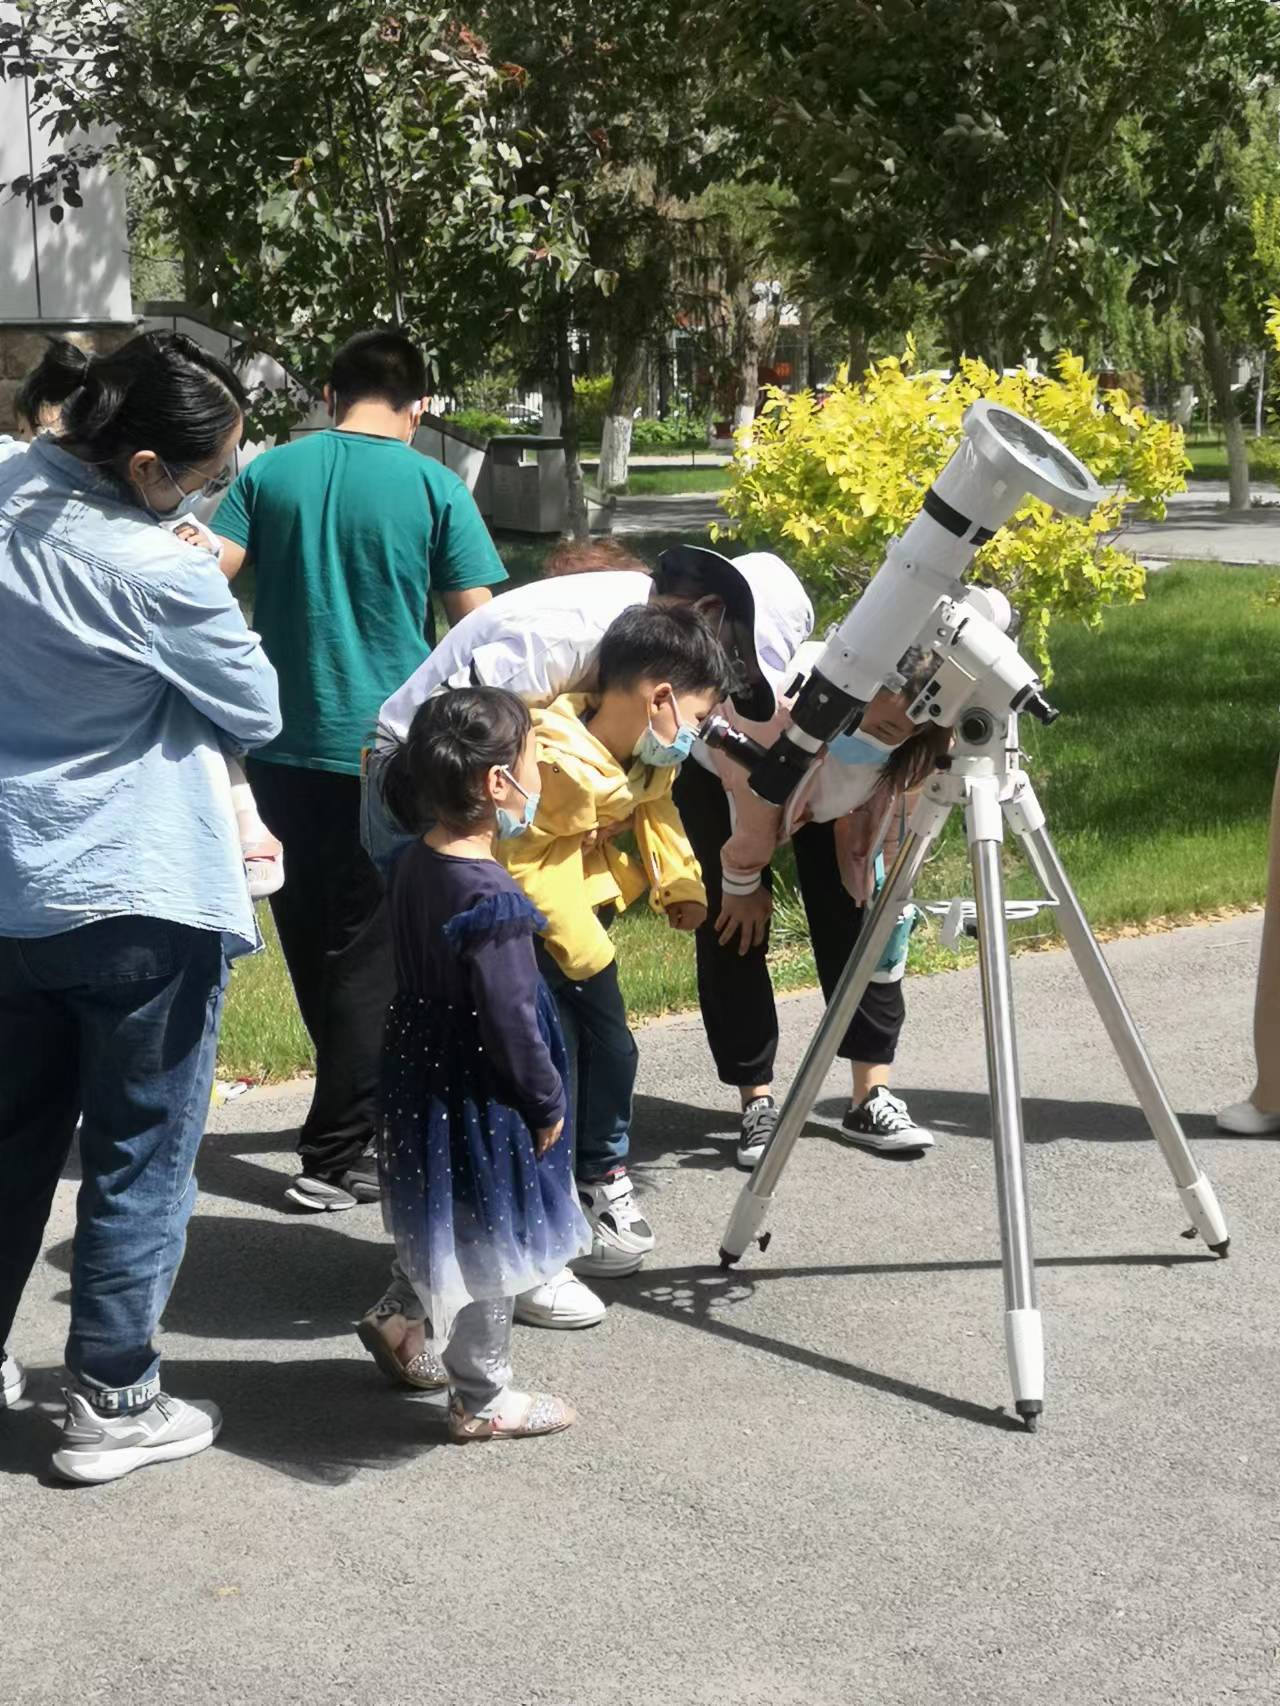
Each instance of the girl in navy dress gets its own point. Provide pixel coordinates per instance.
(477, 1183)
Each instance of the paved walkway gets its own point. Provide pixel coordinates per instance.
(1199, 525)
(794, 1485)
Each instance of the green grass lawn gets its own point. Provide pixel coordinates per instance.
(1209, 462)
(669, 482)
(1156, 778)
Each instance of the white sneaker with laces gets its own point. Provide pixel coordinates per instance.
(759, 1118)
(561, 1301)
(1247, 1121)
(13, 1380)
(98, 1448)
(621, 1237)
(881, 1122)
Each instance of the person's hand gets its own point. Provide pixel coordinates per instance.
(603, 833)
(745, 916)
(686, 915)
(546, 1137)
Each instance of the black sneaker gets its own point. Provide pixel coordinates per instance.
(343, 1189)
(881, 1122)
(759, 1118)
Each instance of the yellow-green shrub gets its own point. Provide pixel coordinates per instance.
(830, 487)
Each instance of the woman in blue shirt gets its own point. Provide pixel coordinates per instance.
(127, 673)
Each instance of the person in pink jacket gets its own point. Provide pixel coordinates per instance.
(851, 808)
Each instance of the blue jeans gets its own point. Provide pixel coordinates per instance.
(118, 1022)
(602, 1065)
(382, 835)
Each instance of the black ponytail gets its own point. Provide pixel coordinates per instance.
(159, 391)
(61, 372)
(437, 774)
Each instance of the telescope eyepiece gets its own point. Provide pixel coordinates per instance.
(1033, 702)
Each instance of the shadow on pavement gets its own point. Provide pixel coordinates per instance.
(697, 1296)
(694, 1296)
(224, 1170)
(967, 1113)
(322, 1420)
(272, 1279)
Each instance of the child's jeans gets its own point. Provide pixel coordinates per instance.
(602, 1065)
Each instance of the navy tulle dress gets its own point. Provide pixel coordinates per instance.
(473, 1061)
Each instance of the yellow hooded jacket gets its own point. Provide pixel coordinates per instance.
(584, 788)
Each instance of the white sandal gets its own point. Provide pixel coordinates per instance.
(523, 1416)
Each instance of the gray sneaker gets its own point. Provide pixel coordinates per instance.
(95, 1447)
(13, 1380)
(343, 1189)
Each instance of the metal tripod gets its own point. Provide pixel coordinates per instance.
(985, 778)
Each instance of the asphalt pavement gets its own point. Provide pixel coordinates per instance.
(1199, 524)
(796, 1484)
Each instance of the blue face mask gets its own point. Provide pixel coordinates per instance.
(508, 823)
(187, 501)
(859, 749)
(652, 749)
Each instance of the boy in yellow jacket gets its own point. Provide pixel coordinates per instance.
(607, 760)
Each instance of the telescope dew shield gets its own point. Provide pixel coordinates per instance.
(1002, 459)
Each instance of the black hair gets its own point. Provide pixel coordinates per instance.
(908, 765)
(382, 364)
(656, 642)
(159, 391)
(437, 774)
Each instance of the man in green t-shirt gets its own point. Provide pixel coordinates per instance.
(349, 531)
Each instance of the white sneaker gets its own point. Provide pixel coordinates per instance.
(561, 1301)
(1247, 1121)
(881, 1122)
(97, 1448)
(621, 1237)
(759, 1118)
(13, 1380)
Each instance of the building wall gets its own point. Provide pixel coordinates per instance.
(76, 270)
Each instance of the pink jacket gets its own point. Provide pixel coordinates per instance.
(861, 805)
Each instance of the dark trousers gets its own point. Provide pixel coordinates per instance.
(117, 1021)
(734, 989)
(335, 931)
(602, 1065)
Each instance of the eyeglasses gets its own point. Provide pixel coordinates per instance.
(211, 488)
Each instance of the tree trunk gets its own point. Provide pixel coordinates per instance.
(615, 441)
(1218, 369)
(1262, 386)
(664, 358)
(746, 378)
(577, 517)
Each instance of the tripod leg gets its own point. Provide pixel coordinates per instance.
(1194, 1188)
(1024, 1335)
(757, 1194)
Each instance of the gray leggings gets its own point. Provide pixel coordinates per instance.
(478, 1354)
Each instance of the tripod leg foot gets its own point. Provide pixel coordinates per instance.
(1024, 1342)
(1201, 1204)
(1029, 1414)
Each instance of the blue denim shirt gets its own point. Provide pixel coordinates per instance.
(126, 672)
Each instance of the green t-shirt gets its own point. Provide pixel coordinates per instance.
(349, 534)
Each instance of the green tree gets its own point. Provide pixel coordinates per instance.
(320, 167)
(615, 92)
(970, 146)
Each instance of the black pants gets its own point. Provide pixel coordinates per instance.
(336, 934)
(734, 989)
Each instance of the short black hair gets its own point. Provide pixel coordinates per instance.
(383, 364)
(655, 642)
(437, 774)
